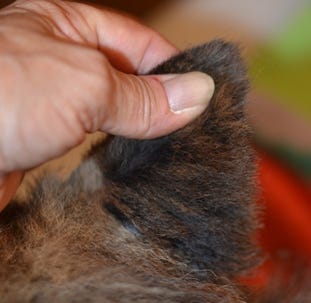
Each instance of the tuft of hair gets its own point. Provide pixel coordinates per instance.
(197, 183)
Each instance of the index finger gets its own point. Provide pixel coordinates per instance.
(137, 47)
(130, 46)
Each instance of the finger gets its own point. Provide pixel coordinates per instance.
(130, 46)
(152, 106)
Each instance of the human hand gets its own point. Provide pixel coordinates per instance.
(68, 69)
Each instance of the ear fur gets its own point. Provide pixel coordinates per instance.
(192, 191)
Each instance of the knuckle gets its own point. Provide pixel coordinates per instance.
(101, 87)
(143, 107)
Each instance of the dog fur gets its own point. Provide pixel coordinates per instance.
(164, 220)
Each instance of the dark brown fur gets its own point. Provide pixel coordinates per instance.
(164, 220)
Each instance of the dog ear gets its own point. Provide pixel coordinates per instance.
(192, 192)
(225, 117)
(222, 61)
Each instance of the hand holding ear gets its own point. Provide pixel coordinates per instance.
(68, 69)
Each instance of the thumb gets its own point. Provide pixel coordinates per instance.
(151, 106)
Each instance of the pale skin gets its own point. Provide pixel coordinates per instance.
(69, 69)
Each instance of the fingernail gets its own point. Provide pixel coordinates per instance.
(190, 91)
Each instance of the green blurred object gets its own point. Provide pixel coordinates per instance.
(283, 67)
(299, 161)
(295, 43)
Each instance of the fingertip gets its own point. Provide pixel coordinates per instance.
(189, 92)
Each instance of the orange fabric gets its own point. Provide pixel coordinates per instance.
(286, 216)
(287, 202)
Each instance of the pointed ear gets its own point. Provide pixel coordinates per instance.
(191, 192)
(223, 119)
(221, 60)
